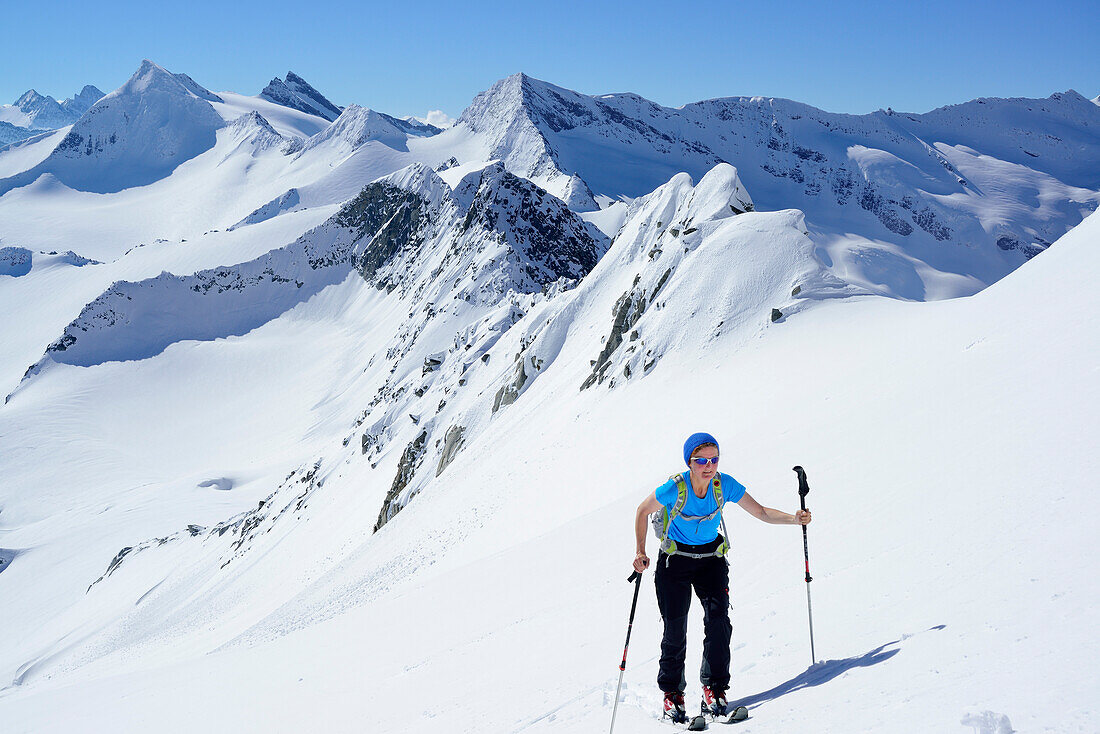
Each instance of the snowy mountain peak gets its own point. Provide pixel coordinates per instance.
(298, 94)
(41, 112)
(31, 99)
(80, 103)
(253, 128)
(719, 194)
(151, 77)
(36, 111)
(514, 116)
(518, 94)
(357, 126)
(250, 121)
(421, 180)
(552, 241)
(135, 135)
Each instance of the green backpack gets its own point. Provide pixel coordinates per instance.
(664, 517)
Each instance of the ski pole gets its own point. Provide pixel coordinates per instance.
(637, 579)
(803, 490)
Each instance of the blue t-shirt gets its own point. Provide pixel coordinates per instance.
(698, 532)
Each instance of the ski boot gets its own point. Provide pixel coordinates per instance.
(714, 701)
(674, 707)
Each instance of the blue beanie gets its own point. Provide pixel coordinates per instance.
(694, 441)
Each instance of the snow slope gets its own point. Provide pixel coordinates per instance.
(315, 430)
(284, 602)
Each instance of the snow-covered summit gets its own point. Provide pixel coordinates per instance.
(79, 103)
(152, 78)
(298, 94)
(42, 112)
(357, 125)
(253, 129)
(133, 136)
(36, 112)
(509, 119)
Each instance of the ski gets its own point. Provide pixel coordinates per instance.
(695, 723)
(739, 713)
(698, 723)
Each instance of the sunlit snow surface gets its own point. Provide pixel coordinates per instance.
(186, 528)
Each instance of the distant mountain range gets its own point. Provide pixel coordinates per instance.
(33, 113)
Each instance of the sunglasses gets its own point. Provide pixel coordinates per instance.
(700, 461)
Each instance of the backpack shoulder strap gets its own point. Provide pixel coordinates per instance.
(681, 496)
(718, 490)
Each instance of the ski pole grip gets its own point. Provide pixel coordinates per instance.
(803, 485)
(634, 576)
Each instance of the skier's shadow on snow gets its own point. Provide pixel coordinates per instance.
(824, 672)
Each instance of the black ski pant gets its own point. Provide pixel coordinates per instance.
(675, 578)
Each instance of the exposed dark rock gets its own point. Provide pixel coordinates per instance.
(6, 557)
(627, 310)
(117, 560)
(507, 394)
(452, 444)
(297, 94)
(390, 216)
(926, 219)
(551, 242)
(431, 364)
(880, 207)
(406, 468)
(15, 261)
(1029, 250)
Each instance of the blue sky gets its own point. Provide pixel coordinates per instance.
(408, 58)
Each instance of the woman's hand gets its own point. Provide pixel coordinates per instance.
(641, 562)
(802, 517)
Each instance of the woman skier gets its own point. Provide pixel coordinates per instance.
(692, 556)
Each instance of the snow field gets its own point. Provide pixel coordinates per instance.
(187, 537)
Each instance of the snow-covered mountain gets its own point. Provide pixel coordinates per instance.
(356, 125)
(297, 94)
(39, 112)
(922, 206)
(32, 113)
(12, 133)
(132, 137)
(294, 382)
